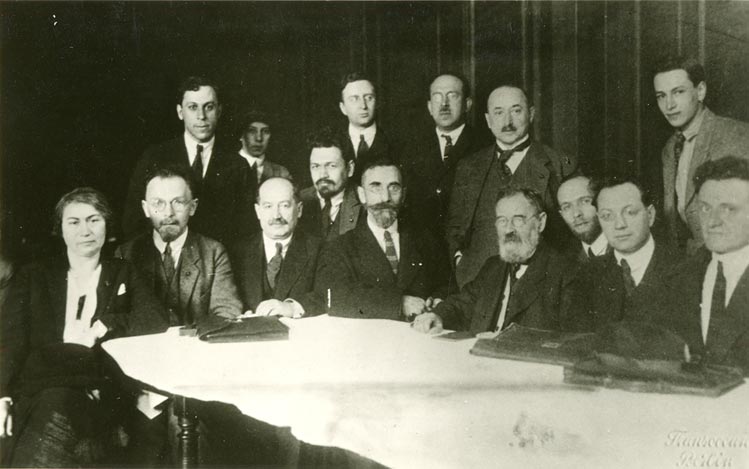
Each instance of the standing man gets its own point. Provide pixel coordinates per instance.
(256, 134)
(576, 199)
(700, 136)
(710, 300)
(382, 269)
(275, 269)
(431, 158)
(514, 159)
(366, 140)
(331, 207)
(222, 184)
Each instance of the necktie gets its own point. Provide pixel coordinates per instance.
(197, 164)
(325, 218)
(448, 146)
(168, 263)
(274, 266)
(363, 147)
(590, 253)
(390, 252)
(629, 282)
(678, 147)
(717, 305)
(505, 155)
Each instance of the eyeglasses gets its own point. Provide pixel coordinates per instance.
(451, 96)
(178, 205)
(518, 221)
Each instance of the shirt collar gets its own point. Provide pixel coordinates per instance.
(377, 231)
(640, 258)
(334, 201)
(694, 127)
(598, 246)
(453, 134)
(503, 147)
(734, 263)
(269, 245)
(191, 143)
(253, 160)
(176, 245)
(368, 132)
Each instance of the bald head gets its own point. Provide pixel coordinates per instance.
(278, 208)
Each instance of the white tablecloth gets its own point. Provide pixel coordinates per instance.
(407, 400)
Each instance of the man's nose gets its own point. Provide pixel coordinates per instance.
(201, 113)
(619, 222)
(714, 219)
(364, 104)
(670, 102)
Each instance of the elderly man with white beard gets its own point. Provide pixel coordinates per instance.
(528, 283)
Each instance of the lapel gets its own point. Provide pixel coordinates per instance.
(292, 266)
(736, 320)
(350, 211)
(410, 259)
(144, 256)
(105, 289)
(538, 170)
(487, 308)
(653, 271)
(253, 278)
(611, 285)
(379, 144)
(371, 254)
(700, 153)
(528, 287)
(477, 179)
(57, 283)
(189, 270)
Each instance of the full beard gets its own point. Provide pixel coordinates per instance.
(385, 214)
(513, 249)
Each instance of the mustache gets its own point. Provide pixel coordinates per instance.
(384, 206)
(324, 181)
(168, 222)
(511, 238)
(278, 221)
(509, 128)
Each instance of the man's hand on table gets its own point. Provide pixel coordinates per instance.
(428, 323)
(275, 308)
(412, 306)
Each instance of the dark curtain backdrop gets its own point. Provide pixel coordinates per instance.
(85, 87)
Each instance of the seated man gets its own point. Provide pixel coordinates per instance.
(708, 300)
(255, 138)
(577, 207)
(528, 283)
(275, 269)
(381, 269)
(625, 283)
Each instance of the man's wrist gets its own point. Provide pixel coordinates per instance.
(297, 310)
(7, 399)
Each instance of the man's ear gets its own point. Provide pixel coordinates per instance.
(257, 211)
(144, 206)
(351, 166)
(701, 91)
(300, 206)
(179, 112)
(219, 108)
(541, 222)
(360, 193)
(342, 108)
(469, 105)
(193, 206)
(651, 215)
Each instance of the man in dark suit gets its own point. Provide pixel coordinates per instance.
(709, 296)
(189, 272)
(699, 136)
(625, 284)
(575, 197)
(430, 158)
(514, 159)
(331, 207)
(256, 135)
(366, 140)
(224, 186)
(382, 269)
(529, 283)
(275, 269)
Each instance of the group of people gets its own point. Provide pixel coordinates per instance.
(441, 231)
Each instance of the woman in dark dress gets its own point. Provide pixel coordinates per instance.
(57, 392)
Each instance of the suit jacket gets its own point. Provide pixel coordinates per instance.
(206, 283)
(681, 301)
(718, 137)
(430, 179)
(605, 293)
(542, 169)
(361, 284)
(295, 280)
(33, 322)
(544, 297)
(349, 214)
(383, 145)
(226, 199)
(575, 252)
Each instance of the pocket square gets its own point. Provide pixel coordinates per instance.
(122, 290)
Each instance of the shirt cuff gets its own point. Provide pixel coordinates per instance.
(298, 310)
(7, 399)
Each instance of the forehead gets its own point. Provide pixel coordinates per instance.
(574, 188)
(79, 210)
(446, 83)
(619, 196)
(727, 191)
(325, 154)
(359, 87)
(170, 186)
(381, 174)
(274, 190)
(671, 79)
(507, 96)
(516, 204)
(204, 94)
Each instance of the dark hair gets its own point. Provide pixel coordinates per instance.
(459, 76)
(729, 167)
(382, 161)
(294, 188)
(695, 70)
(352, 77)
(194, 83)
(530, 195)
(255, 115)
(327, 137)
(88, 196)
(171, 171)
(607, 182)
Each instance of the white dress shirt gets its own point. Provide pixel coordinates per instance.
(191, 143)
(516, 157)
(335, 204)
(685, 161)
(369, 135)
(379, 234)
(506, 297)
(598, 247)
(176, 245)
(453, 134)
(639, 260)
(80, 330)
(734, 265)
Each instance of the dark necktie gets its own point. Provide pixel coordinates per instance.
(448, 147)
(590, 253)
(390, 252)
(363, 147)
(168, 263)
(678, 147)
(629, 282)
(505, 155)
(274, 266)
(717, 305)
(325, 218)
(197, 164)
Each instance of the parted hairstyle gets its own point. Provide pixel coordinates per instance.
(617, 180)
(729, 167)
(88, 196)
(352, 77)
(194, 83)
(459, 76)
(294, 188)
(695, 70)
